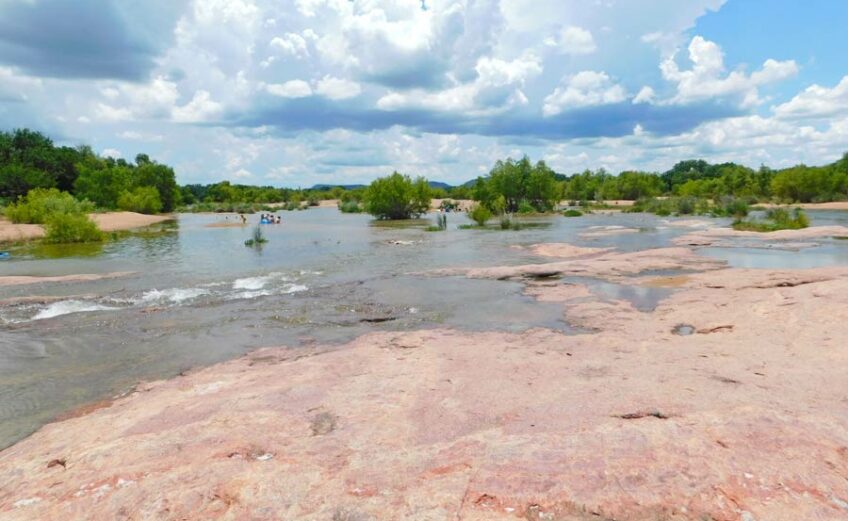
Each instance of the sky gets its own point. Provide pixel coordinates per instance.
(301, 92)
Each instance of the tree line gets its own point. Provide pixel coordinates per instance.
(29, 160)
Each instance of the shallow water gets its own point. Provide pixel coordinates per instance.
(200, 296)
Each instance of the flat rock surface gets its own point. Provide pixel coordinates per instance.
(17, 280)
(739, 415)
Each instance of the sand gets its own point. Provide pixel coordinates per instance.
(107, 222)
(743, 419)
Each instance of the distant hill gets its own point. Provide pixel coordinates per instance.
(439, 184)
(343, 187)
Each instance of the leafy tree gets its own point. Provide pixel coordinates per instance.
(518, 183)
(142, 199)
(397, 197)
(101, 183)
(17, 179)
(161, 177)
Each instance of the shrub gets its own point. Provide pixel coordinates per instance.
(729, 206)
(572, 213)
(144, 199)
(397, 197)
(775, 219)
(350, 207)
(39, 204)
(525, 207)
(71, 227)
(258, 238)
(480, 214)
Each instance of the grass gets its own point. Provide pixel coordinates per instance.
(441, 224)
(572, 213)
(258, 238)
(775, 219)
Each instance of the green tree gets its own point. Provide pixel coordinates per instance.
(161, 177)
(397, 197)
(142, 199)
(101, 183)
(518, 183)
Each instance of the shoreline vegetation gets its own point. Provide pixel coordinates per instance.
(73, 182)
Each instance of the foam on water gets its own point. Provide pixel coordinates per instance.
(239, 289)
(256, 283)
(66, 307)
(173, 295)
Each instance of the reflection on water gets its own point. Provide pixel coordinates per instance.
(199, 296)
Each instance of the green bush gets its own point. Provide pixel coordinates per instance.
(350, 207)
(39, 204)
(731, 207)
(71, 227)
(257, 239)
(525, 207)
(480, 214)
(775, 219)
(144, 199)
(572, 213)
(397, 197)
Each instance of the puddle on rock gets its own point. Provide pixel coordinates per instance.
(683, 330)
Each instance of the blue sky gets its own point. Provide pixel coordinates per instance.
(298, 92)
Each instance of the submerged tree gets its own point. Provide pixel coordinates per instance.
(517, 184)
(397, 197)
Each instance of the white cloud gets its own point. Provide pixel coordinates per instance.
(817, 102)
(242, 174)
(584, 89)
(646, 95)
(337, 88)
(138, 136)
(201, 108)
(497, 87)
(291, 44)
(154, 100)
(706, 79)
(111, 152)
(290, 89)
(573, 40)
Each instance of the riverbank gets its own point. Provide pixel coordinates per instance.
(107, 222)
(725, 402)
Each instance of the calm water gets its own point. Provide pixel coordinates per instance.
(199, 296)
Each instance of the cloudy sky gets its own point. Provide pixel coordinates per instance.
(297, 92)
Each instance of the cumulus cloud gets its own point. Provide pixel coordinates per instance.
(201, 108)
(291, 44)
(573, 40)
(497, 87)
(817, 102)
(337, 88)
(290, 89)
(706, 79)
(645, 95)
(584, 89)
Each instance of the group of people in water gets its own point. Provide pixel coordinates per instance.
(270, 219)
